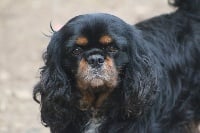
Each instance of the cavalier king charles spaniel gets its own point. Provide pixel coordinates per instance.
(102, 75)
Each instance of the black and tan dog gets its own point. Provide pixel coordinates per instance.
(102, 75)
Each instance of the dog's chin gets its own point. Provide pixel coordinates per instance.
(97, 83)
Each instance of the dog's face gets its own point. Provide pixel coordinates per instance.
(95, 53)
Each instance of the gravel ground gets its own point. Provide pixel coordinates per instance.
(22, 24)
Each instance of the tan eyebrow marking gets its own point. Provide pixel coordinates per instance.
(82, 41)
(105, 39)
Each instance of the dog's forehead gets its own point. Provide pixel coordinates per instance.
(95, 23)
(90, 27)
(95, 28)
(90, 22)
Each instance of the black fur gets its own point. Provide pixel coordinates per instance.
(159, 90)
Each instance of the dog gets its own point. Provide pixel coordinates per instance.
(102, 75)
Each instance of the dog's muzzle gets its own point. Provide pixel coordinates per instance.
(97, 71)
(96, 77)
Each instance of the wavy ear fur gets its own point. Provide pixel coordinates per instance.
(140, 80)
(57, 109)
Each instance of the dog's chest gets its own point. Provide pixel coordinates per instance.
(93, 125)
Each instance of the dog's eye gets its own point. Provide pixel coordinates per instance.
(112, 49)
(77, 51)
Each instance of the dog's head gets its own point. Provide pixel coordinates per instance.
(92, 49)
(88, 59)
(95, 50)
(94, 61)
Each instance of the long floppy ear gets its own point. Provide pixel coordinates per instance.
(53, 78)
(54, 88)
(52, 74)
(139, 82)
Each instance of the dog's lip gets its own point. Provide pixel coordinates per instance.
(95, 76)
(100, 76)
(97, 73)
(96, 70)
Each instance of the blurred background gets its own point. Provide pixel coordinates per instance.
(23, 24)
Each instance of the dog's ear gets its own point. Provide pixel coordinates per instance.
(54, 88)
(139, 82)
(53, 78)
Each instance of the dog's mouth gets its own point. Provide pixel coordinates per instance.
(95, 84)
(97, 78)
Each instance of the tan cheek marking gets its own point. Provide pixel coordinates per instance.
(105, 39)
(110, 68)
(109, 63)
(82, 41)
(82, 68)
(83, 65)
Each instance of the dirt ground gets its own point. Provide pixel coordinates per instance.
(22, 24)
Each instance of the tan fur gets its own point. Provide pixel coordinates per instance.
(106, 39)
(82, 41)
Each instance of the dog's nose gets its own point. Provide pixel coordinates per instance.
(95, 60)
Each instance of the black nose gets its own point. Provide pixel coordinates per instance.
(95, 60)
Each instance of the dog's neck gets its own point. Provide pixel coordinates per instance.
(95, 120)
(92, 125)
